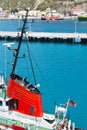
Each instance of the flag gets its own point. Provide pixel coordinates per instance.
(72, 103)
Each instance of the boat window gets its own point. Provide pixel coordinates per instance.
(6, 103)
(15, 104)
(1, 86)
(31, 110)
(0, 103)
(50, 121)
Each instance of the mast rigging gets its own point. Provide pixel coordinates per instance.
(20, 41)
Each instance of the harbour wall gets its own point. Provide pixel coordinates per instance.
(46, 37)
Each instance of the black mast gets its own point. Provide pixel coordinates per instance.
(20, 41)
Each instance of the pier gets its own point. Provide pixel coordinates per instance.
(47, 37)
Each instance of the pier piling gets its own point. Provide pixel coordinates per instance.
(47, 37)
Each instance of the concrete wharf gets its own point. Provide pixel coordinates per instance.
(47, 37)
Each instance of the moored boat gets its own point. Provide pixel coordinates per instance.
(53, 18)
(19, 109)
(82, 17)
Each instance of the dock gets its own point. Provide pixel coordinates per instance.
(46, 37)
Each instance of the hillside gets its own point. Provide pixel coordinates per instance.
(59, 5)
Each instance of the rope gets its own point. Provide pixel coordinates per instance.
(30, 60)
(52, 97)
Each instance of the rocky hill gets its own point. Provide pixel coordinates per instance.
(59, 5)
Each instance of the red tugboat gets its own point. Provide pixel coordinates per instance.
(52, 18)
(21, 104)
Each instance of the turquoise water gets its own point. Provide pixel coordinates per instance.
(61, 69)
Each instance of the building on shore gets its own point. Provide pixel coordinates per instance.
(3, 13)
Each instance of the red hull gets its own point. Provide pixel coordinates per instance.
(17, 128)
(51, 18)
(27, 101)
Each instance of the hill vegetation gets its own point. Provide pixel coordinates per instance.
(59, 5)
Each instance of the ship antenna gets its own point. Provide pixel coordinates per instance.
(20, 41)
